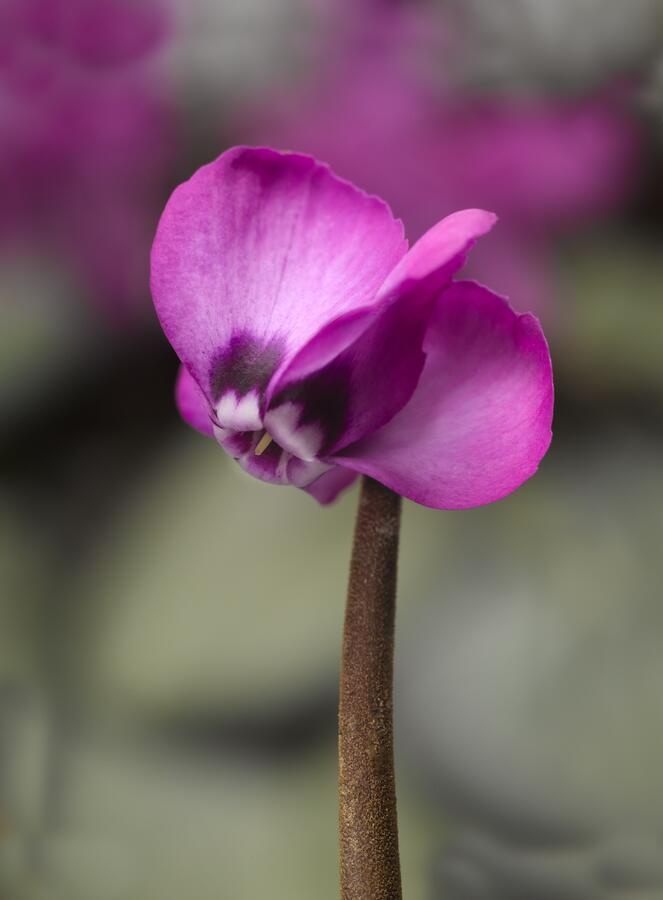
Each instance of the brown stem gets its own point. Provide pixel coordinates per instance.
(370, 866)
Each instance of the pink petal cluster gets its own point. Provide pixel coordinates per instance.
(83, 135)
(316, 346)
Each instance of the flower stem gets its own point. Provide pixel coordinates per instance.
(370, 866)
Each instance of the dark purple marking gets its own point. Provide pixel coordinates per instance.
(245, 364)
(238, 443)
(324, 399)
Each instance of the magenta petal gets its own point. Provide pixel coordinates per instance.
(325, 346)
(427, 266)
(360, 389)
(263, 249)
(192, 404)
(332, 395)
(327, 488)
(479, 421)
(442, 251)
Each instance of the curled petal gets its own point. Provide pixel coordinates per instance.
(192, 403)
(359, 390)
(425, 269)
(263, 249)
(479, 420)
(362, 368)
(441, 252)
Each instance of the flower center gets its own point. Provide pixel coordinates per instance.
(260, 454)
(275, 447)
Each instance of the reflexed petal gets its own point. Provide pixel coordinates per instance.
(263, 249)
(192, 404)
(479, 421)
(317, 409)
(327, 488)
(360, 389)
(442, 251)
(427, 266)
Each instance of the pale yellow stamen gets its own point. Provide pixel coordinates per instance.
(263, 444)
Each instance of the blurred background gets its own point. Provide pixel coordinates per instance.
(169, 629)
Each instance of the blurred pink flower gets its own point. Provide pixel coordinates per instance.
(376, 114)
(315, 346)
(84, 136)
(91, 32)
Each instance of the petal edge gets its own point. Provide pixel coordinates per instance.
(192, 403)
(479, 422)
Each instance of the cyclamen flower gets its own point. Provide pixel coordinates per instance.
(316, 346)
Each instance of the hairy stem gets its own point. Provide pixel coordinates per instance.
(370, 866)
